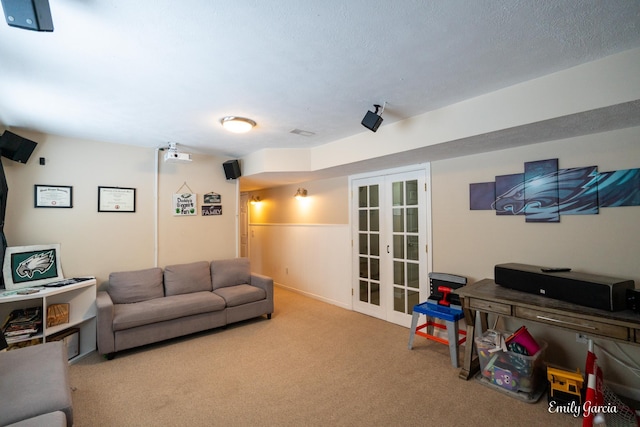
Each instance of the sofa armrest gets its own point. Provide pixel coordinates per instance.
(34, 380)
(266, 283)
(106, 338)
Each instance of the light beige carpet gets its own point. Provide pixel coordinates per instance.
(312, 364)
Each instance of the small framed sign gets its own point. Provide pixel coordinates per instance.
(116, 199)
(185, 204)
(211, 198)
(53, 196)
(210, 210)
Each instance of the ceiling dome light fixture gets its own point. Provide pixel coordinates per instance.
(237, 124)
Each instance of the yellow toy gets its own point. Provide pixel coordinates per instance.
(565, 386)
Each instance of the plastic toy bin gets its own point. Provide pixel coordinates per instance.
(509, 370)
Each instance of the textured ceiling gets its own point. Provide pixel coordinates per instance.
(151, 72)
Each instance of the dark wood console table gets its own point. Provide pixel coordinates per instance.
(485, 297)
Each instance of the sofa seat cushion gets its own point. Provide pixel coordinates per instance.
(240, 294)
(128, 316)
(127, 287)
(187, 278)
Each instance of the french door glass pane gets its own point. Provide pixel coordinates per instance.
(413, 298)
(374, 198)
(362, 197)
(413, 275)
(375, 244)
(398, 220)
(375, 293)
(412, 248)
(412, 193)
(375, 269)
(364, 244)
(374, 215)
(398, 299)
(397, 193)
(364, 267)
(398, 273)
(398, 246)
(412, 220)
(364, 291)
(363, 224)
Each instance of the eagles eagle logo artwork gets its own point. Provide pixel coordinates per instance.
(39, 263)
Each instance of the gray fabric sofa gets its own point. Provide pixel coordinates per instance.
(34, 385)
(146, 306)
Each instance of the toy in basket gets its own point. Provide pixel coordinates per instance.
(509, 366)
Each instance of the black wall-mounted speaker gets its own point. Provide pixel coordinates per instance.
(15, 147)
(28, 14)
(232, 169)
(371, 121)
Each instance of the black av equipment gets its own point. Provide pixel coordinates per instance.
(589, 290)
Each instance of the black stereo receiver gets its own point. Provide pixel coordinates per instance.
(589, 290)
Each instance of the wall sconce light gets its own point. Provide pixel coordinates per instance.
(301, 193)
(255, 200)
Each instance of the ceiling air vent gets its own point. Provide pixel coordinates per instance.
(302, 132)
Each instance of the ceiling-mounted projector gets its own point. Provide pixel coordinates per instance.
(177, 157)
(173, 155)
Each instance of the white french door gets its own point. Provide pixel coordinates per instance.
(389, 232)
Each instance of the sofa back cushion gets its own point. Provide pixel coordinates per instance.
(187, 278)
(127, 287)
(230, 272)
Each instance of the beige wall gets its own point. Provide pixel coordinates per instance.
(304, 244)
(97, 244)
(470, 243)
(196, 238)
(327, 202)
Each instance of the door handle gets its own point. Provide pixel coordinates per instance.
(388, 249)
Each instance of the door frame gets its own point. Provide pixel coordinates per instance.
(422, 167)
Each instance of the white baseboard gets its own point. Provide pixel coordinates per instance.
(314, 296)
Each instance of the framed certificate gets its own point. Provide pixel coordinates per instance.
(116, 199)
(53, 196)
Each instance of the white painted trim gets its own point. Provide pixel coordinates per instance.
(294, 224)
(429, 218)
(156, 205)
(412, 168)
(314, 296)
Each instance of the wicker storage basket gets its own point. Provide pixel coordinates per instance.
(57, 314)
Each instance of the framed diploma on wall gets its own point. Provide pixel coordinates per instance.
(116, 199)
(53, 196)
